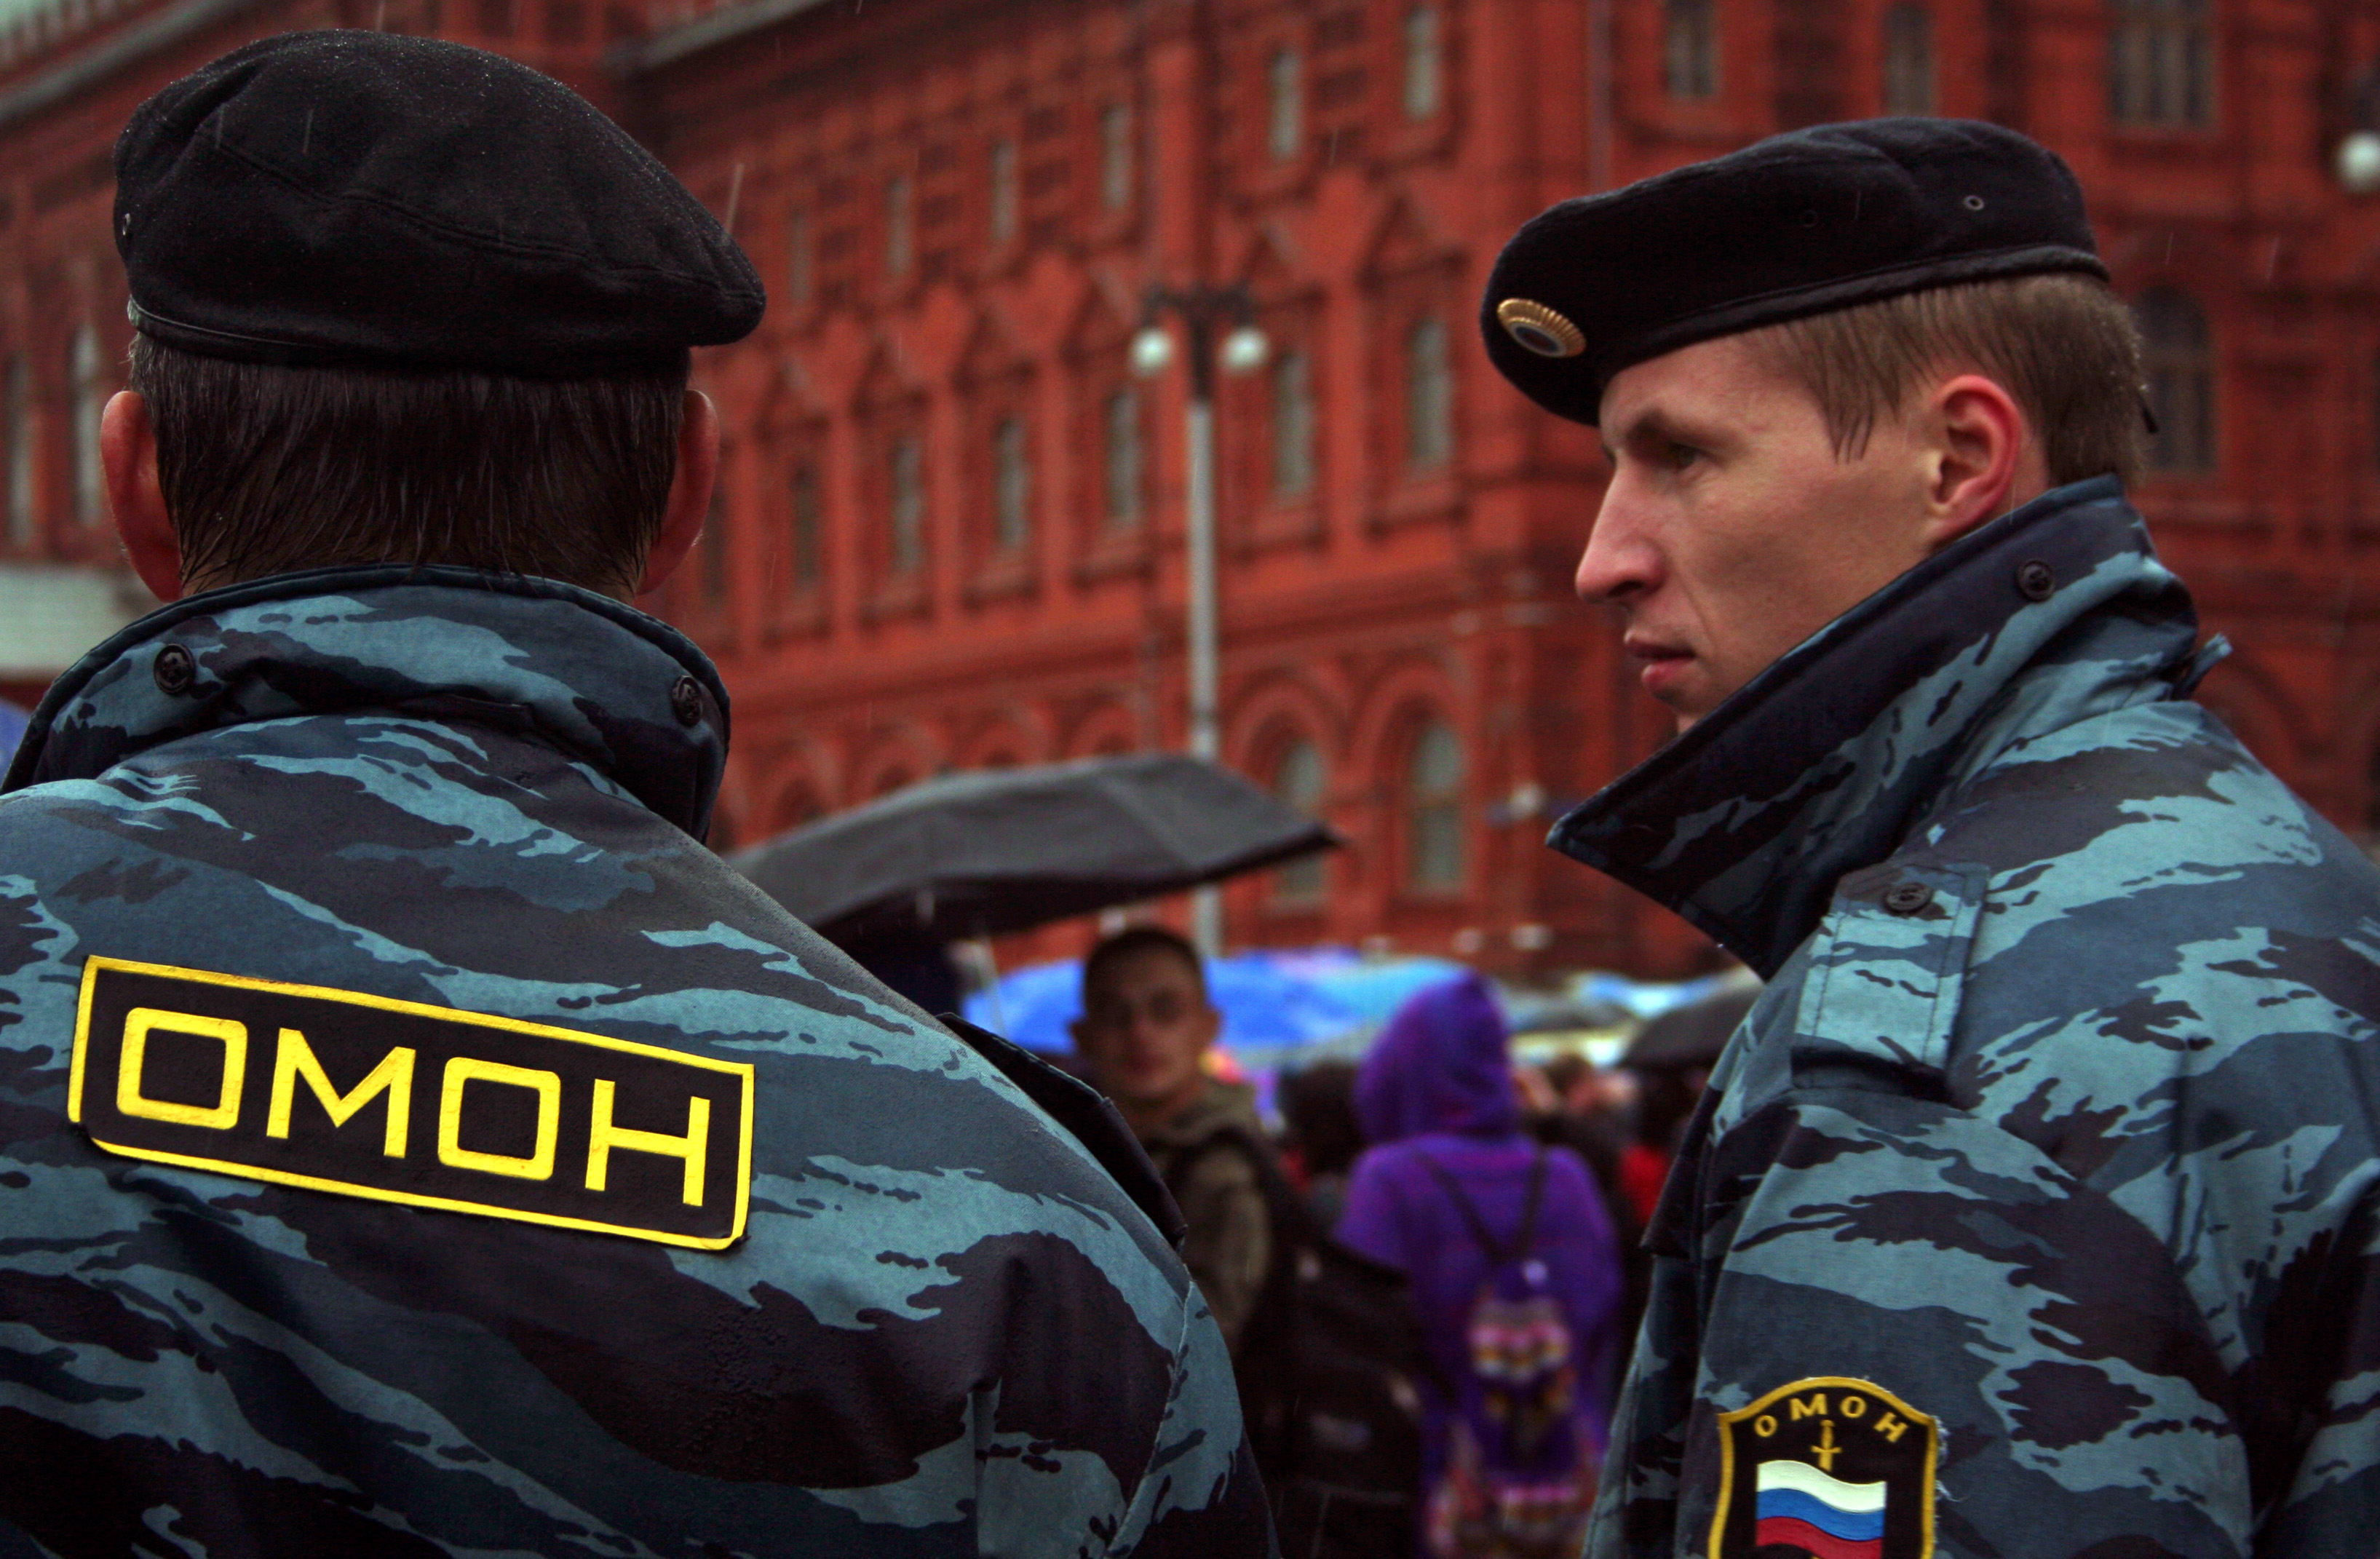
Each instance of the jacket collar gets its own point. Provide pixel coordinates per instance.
(579, 671)
(1825, 761)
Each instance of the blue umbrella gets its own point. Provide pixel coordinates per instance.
(1269, 1001)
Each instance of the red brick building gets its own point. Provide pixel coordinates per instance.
(951, 522)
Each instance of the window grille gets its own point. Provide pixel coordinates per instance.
(1003, 191)
(90, 368)
(1298, 777)
(1292, 425)
(2177, 359)
(1124, 460)
(1430, 399)
(1421, 62)
(908, 492)
(1115, 156)
(2161, 64)
(808, 543)
(1690, 52)
(1012, 520)
(1909, 60)
(1286, 114)
(1434, 833)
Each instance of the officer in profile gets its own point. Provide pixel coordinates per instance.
(415, 1141)
(2031, 1209)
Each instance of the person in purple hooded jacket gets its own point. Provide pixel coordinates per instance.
(1516, 1278)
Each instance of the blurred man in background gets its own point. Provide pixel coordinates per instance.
(1146, 1029)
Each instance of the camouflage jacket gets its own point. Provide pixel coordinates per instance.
(488, 1168)
(2032, 1210)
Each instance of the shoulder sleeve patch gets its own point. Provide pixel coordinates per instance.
(1836, 1467)
(364, 1096)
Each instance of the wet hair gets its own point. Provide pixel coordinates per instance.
(267, 469)
(1136, 939)
(2064, 347)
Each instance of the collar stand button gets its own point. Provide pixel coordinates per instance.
(2036, 580)
(175, 670)
(685, 700)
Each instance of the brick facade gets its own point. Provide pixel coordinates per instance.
(952, 517)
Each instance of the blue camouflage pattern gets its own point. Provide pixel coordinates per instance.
(946, 1329)
(2055, 1119)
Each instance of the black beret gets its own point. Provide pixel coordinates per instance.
(371, 198)
(1795, 224)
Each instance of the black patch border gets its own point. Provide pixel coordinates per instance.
(94, 965)
(1728, 1422)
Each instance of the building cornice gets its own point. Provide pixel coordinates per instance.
(704, 32)
(71, 76)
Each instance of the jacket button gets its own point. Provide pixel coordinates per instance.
(686, 701)
(1908, 898)
(2036, 579)
(175, 671)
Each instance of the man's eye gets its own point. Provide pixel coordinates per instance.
(1679, 456)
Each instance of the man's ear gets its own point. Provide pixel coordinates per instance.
(127, 455)
(1982, 460)
(689, 493)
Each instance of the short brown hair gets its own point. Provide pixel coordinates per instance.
(1138, 939)
(2064, 347)
(267, 469)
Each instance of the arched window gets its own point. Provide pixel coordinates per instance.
(1121, 415)
(2161, 64)
(809, 519)
(1298, 778)
(90, 368)
(1434, 832)
(1908, 60)
(1690, 48)
(1421, 62)
(1115, 156)
(1003, 191)
(907, 489)
(1284, 105)
(1429, 398)
(1292, 425)
(1012, 483)
(2177, 361)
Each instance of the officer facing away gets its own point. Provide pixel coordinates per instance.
(2032, 1209)
(415, 1141)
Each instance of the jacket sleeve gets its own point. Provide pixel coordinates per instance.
(1228, 1240)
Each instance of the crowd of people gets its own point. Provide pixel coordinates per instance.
(1507, 1198)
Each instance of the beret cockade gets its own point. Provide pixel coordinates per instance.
(1796, 225)
(371, 198)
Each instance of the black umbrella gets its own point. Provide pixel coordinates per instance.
(998, 850)
(1692, 1035)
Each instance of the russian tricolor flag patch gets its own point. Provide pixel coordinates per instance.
(1801, 1506)
(1829, 1467)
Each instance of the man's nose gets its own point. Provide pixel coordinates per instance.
(1618, 563)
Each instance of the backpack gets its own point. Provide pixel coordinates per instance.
(1331, 1369)
(1519, 1478)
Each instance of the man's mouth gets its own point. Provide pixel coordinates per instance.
(1659, 665)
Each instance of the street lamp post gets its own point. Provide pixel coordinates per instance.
(1204, 311)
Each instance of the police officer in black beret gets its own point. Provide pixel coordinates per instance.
(2030, 1211)
(413, 1140)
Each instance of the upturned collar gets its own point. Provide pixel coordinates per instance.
(625, 692)
(1825, 761)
